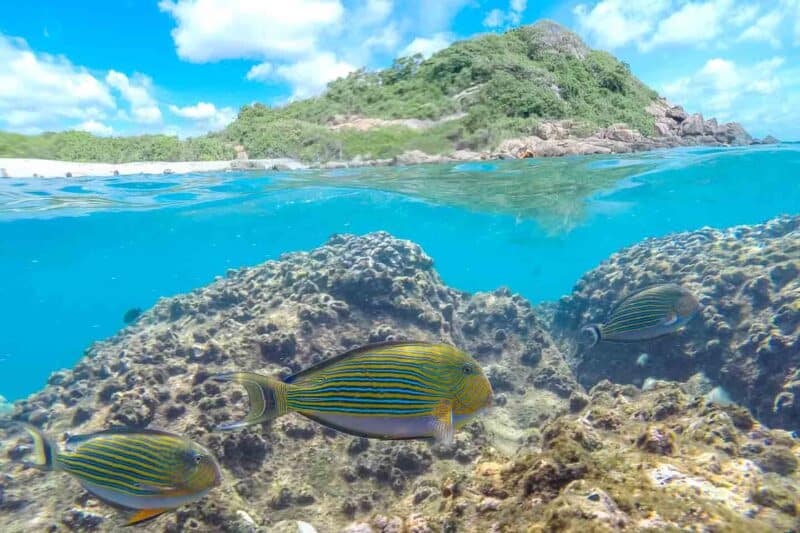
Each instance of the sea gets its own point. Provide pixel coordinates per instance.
(589, 343)
(77, 254)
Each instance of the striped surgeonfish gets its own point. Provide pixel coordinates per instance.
(392, 390)
(647, 314)
(144, 471)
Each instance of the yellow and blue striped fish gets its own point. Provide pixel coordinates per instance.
(393, 390)
(647, 314)
(144, 471)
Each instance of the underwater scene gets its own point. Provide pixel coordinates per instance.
(400, 266)
(583, 343)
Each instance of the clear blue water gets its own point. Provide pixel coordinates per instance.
(76, 254)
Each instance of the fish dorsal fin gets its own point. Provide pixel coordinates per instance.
(74, 440)
(631, 296)
(300, 376)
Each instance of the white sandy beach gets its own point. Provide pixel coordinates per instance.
(27, 168)
(45, 168)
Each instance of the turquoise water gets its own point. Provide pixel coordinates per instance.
(77, 254)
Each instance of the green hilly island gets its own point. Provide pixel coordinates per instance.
(469, 96)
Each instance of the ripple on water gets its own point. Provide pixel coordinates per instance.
(176, 197)
(614, 163)
(240, 186)
(475, 167)
(77, 189)
(142, 185)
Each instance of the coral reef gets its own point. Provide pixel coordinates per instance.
(277, 318)
(746, 338)
(550, 454)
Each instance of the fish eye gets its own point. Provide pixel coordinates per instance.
(198, 458)
(467, 368)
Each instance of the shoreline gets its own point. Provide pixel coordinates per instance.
(49, 168)
(676, 128)
(26, 168)
(553, 141)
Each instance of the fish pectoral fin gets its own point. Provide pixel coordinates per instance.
(672, 318)
(142, 515)
(157, 488)
(443, 429)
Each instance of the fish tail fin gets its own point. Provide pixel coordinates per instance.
(591, 334)
(267, 398)
(44, 451)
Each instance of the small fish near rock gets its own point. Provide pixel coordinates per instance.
(145, 472)
(391, 390)
(132, 315)
(647, 314)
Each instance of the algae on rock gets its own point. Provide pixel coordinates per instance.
(549, 455)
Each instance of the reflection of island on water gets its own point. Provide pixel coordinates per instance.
(551, 191)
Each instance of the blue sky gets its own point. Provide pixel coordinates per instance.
(186, 66)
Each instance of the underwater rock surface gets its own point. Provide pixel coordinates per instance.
(746, 338)
(550, 454)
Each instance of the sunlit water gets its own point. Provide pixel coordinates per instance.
(76, 254)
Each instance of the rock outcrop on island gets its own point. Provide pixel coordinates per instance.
(674, 127)
(549, 455)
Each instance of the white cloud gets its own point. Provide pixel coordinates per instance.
(260, 72)
(136, 92)
(494, 18)
(691, 24)
(497, 18)
(430, 16)
(284, 37)
(210, 30)
(206, 114)
(616, 23)
(387, 39)
(427, 46)
(744, 14)
(688, 23)
(310, 76)
(765, 29)
(200, 111)
(792, 10)
(39, 91)
(94, 127)
(721, 86)
(376, 11)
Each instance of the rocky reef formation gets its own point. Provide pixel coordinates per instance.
(678, 126)
(747, 336)
(548, 455)
(280, 317)
(674, 127)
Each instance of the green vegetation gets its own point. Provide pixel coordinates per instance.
(481, 91)
(82, 146)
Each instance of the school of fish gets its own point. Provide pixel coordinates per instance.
(392, 390)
